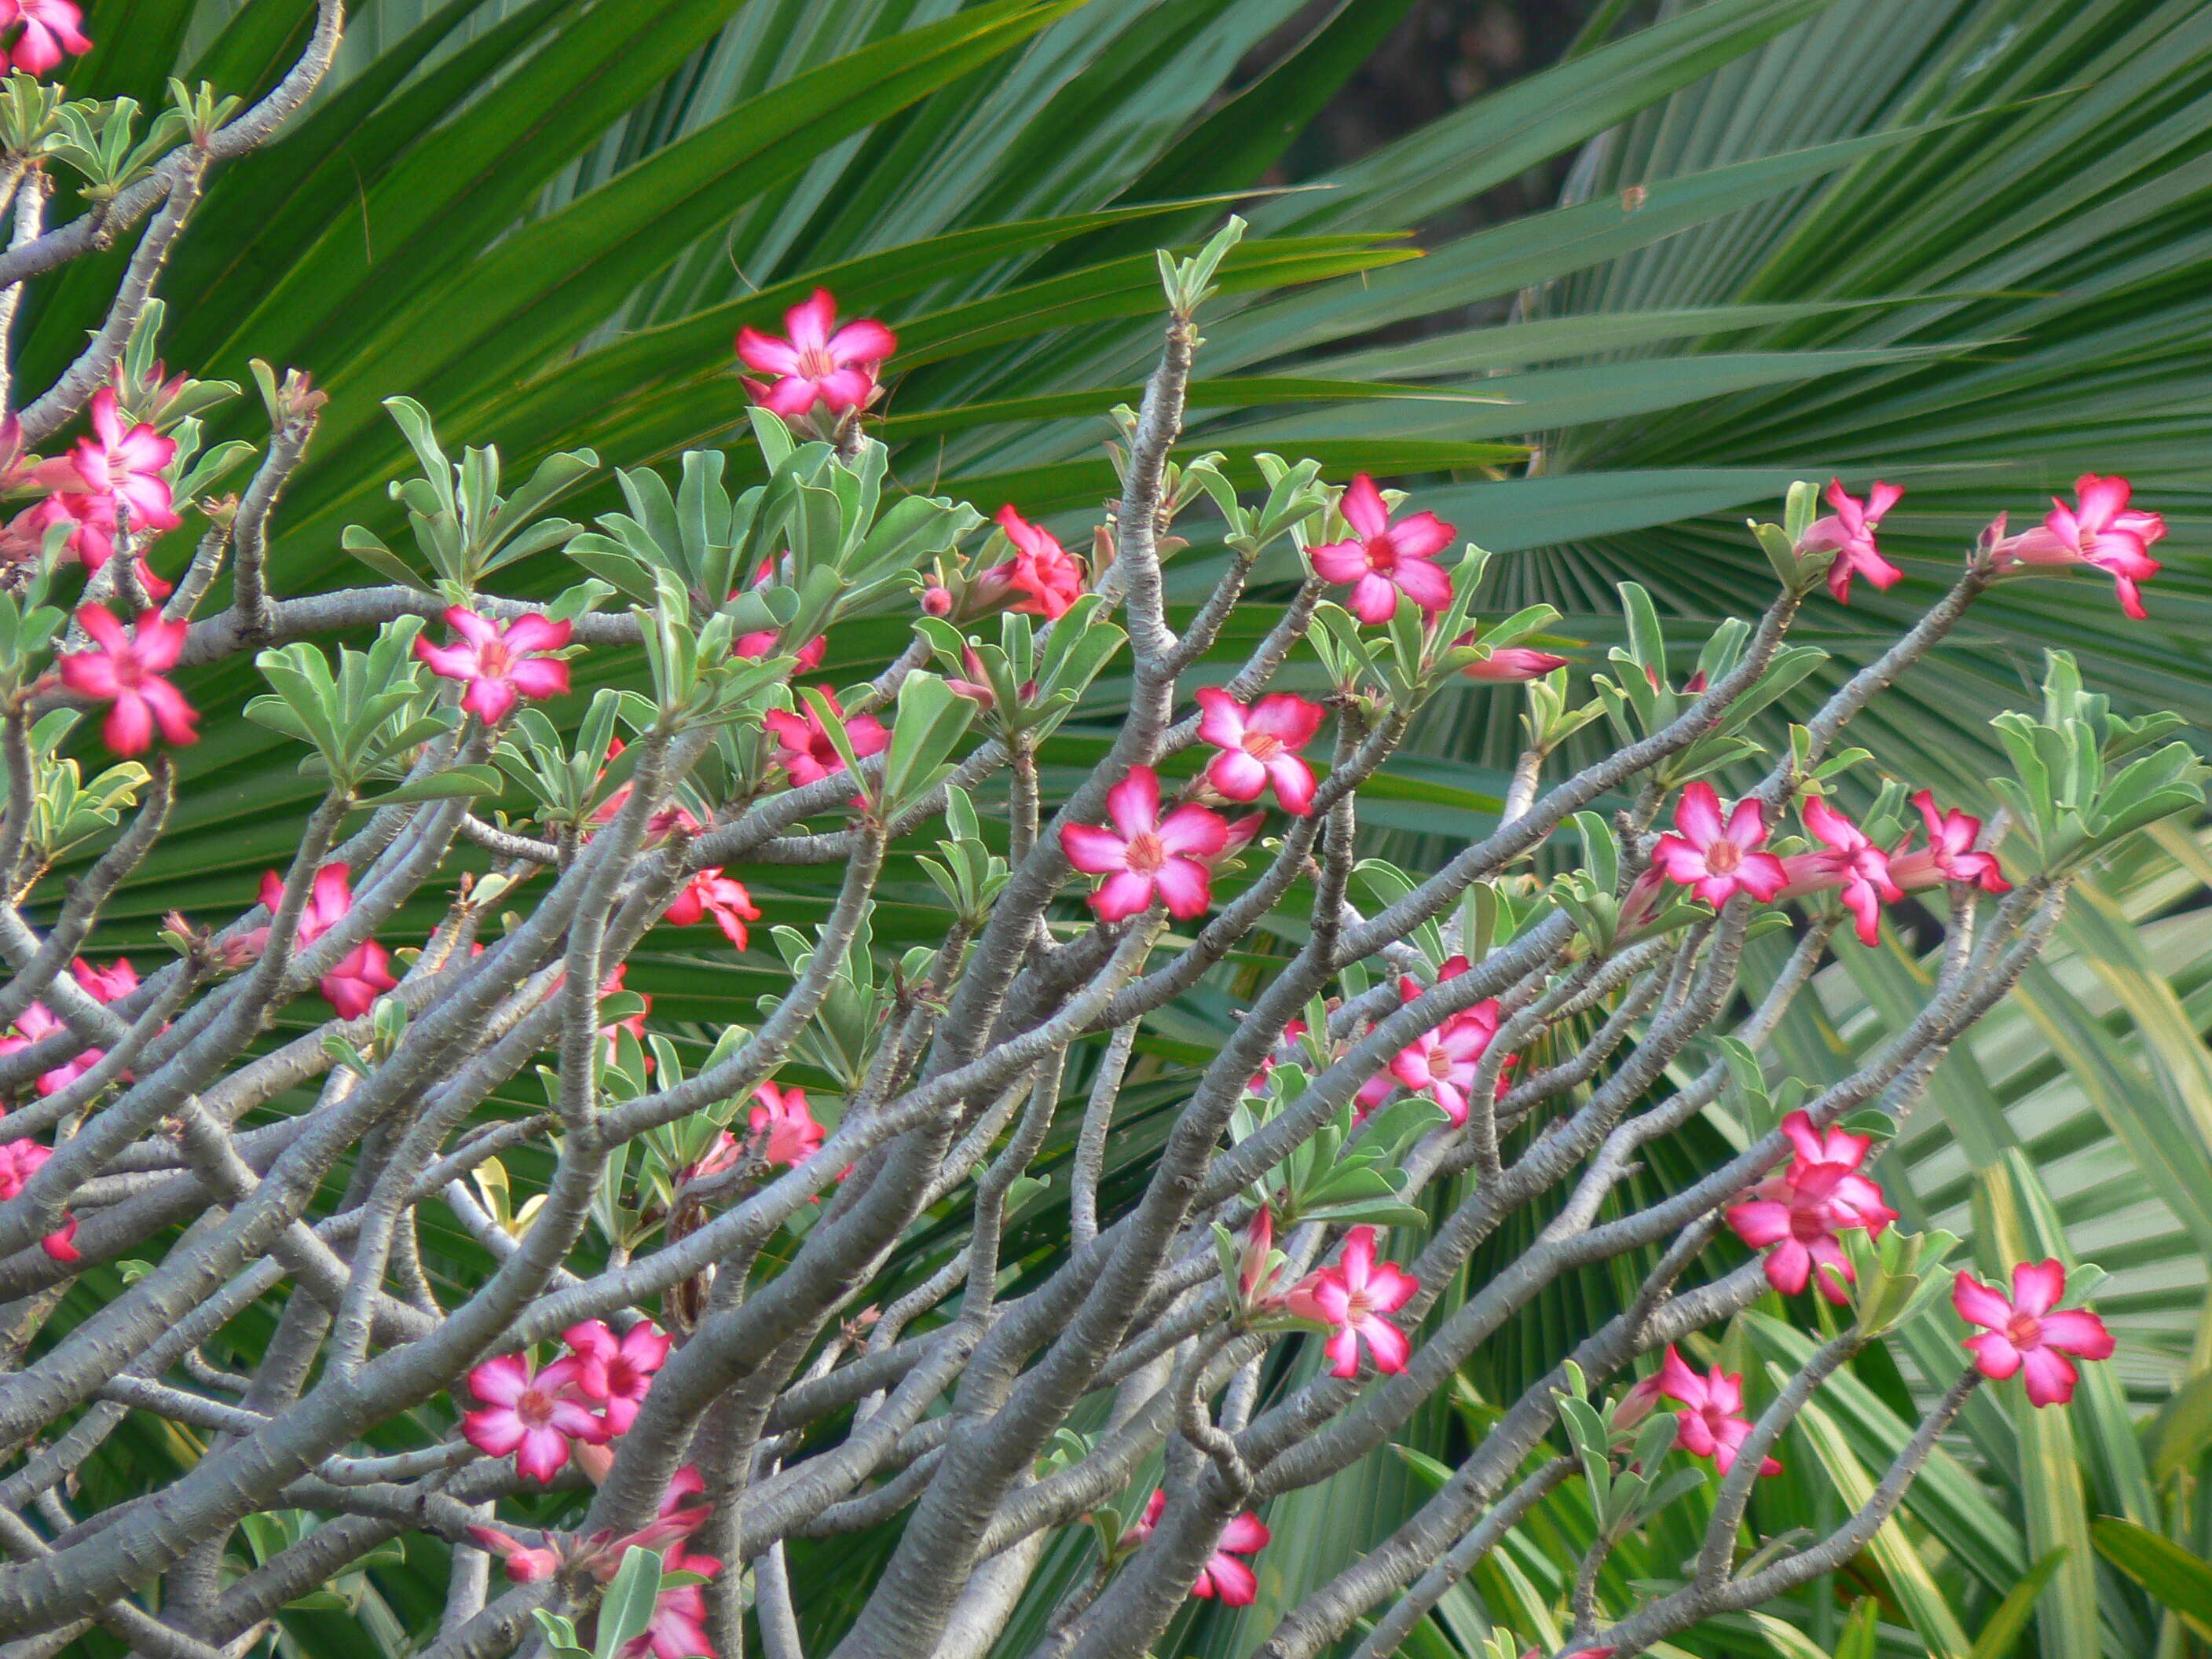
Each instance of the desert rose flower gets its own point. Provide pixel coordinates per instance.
(1712, 1423)
(19, 1161)
(1849, 530)
(1442, 1063)
(1144, 857)
(2030, 1334)
(126, 670)
(533, 1414)
(678, 1629)
(1260, 746)
(1949, 855)
(803, 748)
(1046, 575)
(1715, 860)
(120, 464)
(1855, 863)
(1796, 1214)
(1386, 559)
(2101, 529)
(1224, 1574)
(50, 30)
(119, 979)
(711, 893)
(34, 1026)
(615, 1372)
(754, 646)
(819, 362)
(783, 1124)
(364, 973)
(500, 662)
(1354, 1296)
(1512, 663)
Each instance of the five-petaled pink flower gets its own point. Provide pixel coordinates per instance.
(1442, 1063)
(126, 670)
(803, 748)
(1354, 1296)
(500, 661)
(783, 1125)
(1512, 663)
(1224, 1574)
(1049, 578)
(2101, 529)
(50, 30)
(2030, 1333)
(34, 1025)
(1849, 531)
(121, 466)
(1384, 560)
(1716, 859)
(364, 973)
(1852, 862)
(1260, 745)
(1712, 1423)
(820, 363)
(1144, 857)
(615, 1372)
(533, 1414)
(1949, 855)
(711, 893)
(1796, 1214)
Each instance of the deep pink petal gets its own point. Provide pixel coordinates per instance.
(1387, 1344)
(1094, 851)
(1374, 598)
(1192, 831)
(864, 340)
(1697, 815)
(1420, 535)
(766, 352)
(1760, 1223)
(2050, 1375)
(2037, 1287)
(1184, 883)
(1294, 784)
(1362, 509)
(1133, 804)
(1237, 774)
(2075, 1330)
(808, 322)
(1339, 561)
(1979, 1304)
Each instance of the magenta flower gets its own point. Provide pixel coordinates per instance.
(121, 466)
(1222, 1575)
(1260, 746)
(109, 984)
(784, 1125)
(524, 1563)
(2101, 529)
(711, 893)
(1442, 1063)
(1512, 663)
(1796, 1213)
(1852, 862)
(364, 973)
(1386, 559)
(50, 29)
(533, 1414)
(127, 669)
(1949, 855)
(1354, 1296)
(2030, 1333)
(754, 646)
(820, 363)
(615, 1372)
(1849, 531)
(34, 1025)
(678, 1629)
(1145, 857)
(803, 748)
(500, 661)
(1712, 1423)
(1718, 861)
(1046, 575)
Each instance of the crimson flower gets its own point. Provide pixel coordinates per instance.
(1145, 858)
(2101, 529)
(1046, 575)
(1384, 560)
(50, 29)
(1442, 1063)
(1512, 662)
(615, 1372)
(364, 973)
(34, 1026)
(2030, 1333)
(724, 898)
(1712, 1423)
(1354, 1296)
(803, 748)
(127, 669)
(1849, 531)
(1222, 1575)
(533, 1414)
(109, 984)
(1949, 855)
(784, 1125)
(1260, 746)
(1799, 1211)
(1718, 861)
(1853, 862)
(500, 661)
(820, 363)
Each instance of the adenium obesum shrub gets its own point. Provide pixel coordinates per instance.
(725, 1318)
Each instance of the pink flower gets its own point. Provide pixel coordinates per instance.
(616, 1372)
(754, 646)
(534, 1415)
(34, 1025)
(500, 661)
(120, 466)
(724, 898)
(784, 1125)
(19, 1161)
(1855, 863)
(2101, 529)
(803, 748)
(50, 29)
(1145, 858)
(1711, 1424)
(1799, 1211)
(127, 670)
(1949, 855)
(678, 1629)
(1386, 559)
(524, 1563)
(1222, 1575)
(1291, 1033)
(1716, 860)
(1442, 1063)
(816, 364)
(93, 529)
(1354, 1296)
(364, 973)
(1260, 746)
(2028, 1334)
(1850, 531)
(1512, 662)
(109, 984)
(1045, 574)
